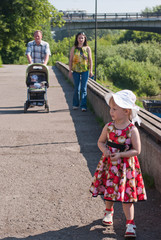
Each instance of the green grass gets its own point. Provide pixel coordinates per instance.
(108, 84)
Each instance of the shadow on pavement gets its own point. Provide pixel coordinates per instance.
(88, 232)
(12, 110)
(20, 110)
(86, 127)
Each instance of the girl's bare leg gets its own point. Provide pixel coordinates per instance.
(109, 204)
(128, 209)
(130, 224)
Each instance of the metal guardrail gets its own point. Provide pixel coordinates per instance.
(149, 22)
(108, 16)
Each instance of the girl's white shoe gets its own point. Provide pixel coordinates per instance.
(130, 230)
(108, 218)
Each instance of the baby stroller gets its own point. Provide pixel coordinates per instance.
(37, 83)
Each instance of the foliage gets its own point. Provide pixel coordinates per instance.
(0, 61)
(21, 60)
(101, 73)
(19, 19)
(60, 58)
(61, 50)
(142, 52)
(131, 65)
(103, 52)
(136, 76)
(63, 46)
(156, 9)
(138, 37)
(60, 34)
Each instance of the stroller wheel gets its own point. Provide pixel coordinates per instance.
(47, 108)
(25, 107)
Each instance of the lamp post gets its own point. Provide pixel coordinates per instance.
(95, 39)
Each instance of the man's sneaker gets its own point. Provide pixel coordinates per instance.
(130, 231)
(108, 218)
(84, 109)
(75, 108)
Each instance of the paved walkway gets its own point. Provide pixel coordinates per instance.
(46, 165)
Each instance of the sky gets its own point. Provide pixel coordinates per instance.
(105, 6)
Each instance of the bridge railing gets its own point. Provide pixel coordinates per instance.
(108, 16)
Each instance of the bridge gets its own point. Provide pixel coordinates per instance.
(149, 22)
(47, 164)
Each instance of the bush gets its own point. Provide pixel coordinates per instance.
(12, 54)
(105, 52)
(101, 73)
(150, 87)
(22, 60)
(126, 50)
(143, 52)
(126, 73)
(59, 57)
(143, 78)
(148, 52)
(131, 65)
(151, 84)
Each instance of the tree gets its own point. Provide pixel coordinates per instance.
(156, 9)
(19, 19)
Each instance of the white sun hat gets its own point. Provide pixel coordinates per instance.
(125, 99)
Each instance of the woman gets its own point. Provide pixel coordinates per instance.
(80, 63)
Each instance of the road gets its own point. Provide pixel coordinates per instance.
(47, 161)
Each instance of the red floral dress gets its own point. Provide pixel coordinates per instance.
(121, 180)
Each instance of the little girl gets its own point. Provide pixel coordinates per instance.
(118, 175)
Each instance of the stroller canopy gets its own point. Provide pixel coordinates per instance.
(37, 68)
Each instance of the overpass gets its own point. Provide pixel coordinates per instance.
(149, 22)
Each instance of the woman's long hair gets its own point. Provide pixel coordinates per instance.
(76, 41)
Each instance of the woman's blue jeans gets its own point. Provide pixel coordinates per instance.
(80, 88)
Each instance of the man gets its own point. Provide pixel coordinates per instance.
(38, 51)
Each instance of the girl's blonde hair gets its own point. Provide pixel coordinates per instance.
(130, 111)
(126, 99)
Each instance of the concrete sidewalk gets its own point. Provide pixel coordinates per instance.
(47, 164)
